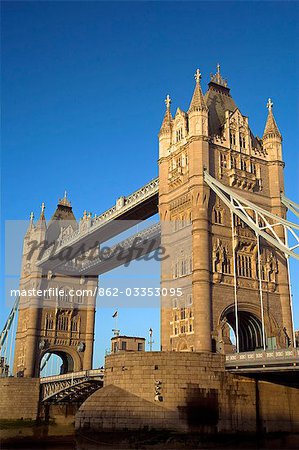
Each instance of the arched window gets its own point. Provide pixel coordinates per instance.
(242, 141)
(244, 266)
(243, 165)
(218, 216)
(75, 324)
(62, 322)
(232, 138)
(49, 322)
(223, 161)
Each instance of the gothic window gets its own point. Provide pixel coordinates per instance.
(226, 265)
(218, 216)
(62, 322)
(242, 141)
(75, 324)
(183, 329)
(179, 134)
(183, 313)
(175, 303)
(232, 138)
(253, 168)
(190, 328)
(244, 266)
(223, 162)
(49, 322)
(243, 164)
(176, 331)
(233, 162)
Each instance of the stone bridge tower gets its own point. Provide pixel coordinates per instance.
(215, 136)
(60, 318)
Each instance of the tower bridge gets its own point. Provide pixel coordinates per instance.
(221, 190)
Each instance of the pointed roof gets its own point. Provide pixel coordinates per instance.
(62, 218)
(167, 120)
(271, 128)
(197, 102)
(41, 223)
(31, 223)
(218, 100)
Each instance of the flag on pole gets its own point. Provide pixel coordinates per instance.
(115, 314)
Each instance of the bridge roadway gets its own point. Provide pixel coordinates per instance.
(278, 366)
(127, 212)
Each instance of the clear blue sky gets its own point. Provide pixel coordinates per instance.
(83, 88)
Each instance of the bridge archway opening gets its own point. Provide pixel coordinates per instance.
(56, 363)
(250, 331)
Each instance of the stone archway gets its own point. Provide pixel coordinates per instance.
(70, 361)
(249, 330)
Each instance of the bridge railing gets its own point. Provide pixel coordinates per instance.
(93, 373)
(263, 358)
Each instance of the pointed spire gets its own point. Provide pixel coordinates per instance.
(167, 120)
(271, 128)
(64, 201)
(31, 222)
(198, 101)
(42, 220)
(217, 78)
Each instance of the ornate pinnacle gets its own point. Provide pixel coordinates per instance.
(31, 216)
(217, 78)
(167, 101)
(269, 104)
(197, 76)
(43, 207)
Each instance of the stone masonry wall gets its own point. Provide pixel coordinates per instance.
(19, 398)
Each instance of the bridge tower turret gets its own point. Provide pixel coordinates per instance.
(57, 311)
(236, 282)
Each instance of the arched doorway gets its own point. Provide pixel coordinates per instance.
(56, 363)
(250, 330)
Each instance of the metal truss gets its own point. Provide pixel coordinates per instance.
(292, 206)
(261, 221)
(9, 322)
(71, 387)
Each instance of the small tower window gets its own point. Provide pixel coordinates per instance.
(223, 162)
(233, 162)
(179, 134)
(242, 141)
(218, 216)
(243, 165)
(244, 266)
(253, 168)
(232, 138)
